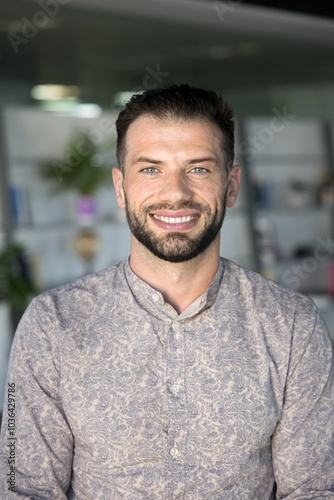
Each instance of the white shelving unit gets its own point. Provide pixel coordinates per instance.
(48, 225)
(292, 215)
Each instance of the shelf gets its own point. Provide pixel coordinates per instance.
(303, 210)
(286, 161)
(291, 261)
(66, 226)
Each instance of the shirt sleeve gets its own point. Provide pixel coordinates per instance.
(303, 442)
(36, 445)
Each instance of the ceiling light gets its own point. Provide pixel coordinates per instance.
(59, 106)
(87, 110)
(51, 92)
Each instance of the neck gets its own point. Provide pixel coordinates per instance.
(180, 283)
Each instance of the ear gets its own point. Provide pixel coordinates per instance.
(118, 183)
(233, 184)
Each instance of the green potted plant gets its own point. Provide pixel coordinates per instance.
(16, 291)
(84, 169)
(16, 288)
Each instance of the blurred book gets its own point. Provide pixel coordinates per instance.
(20, 206)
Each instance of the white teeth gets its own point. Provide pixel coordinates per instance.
(175, 220)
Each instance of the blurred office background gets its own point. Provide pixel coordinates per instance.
(66, 67)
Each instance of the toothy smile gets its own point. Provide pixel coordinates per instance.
(175, 220)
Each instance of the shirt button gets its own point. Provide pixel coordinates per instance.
(175, 326)
(174, 451)
(175, 388)
(155, 297)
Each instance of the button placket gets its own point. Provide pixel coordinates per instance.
(174, 451)
(155, 296)
(176, 334)
(174, 388)
(176, 405)
(175, 326)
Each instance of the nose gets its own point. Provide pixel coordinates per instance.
(175, 188)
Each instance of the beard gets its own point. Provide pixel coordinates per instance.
(176, 246)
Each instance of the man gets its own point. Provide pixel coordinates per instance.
(175, 374)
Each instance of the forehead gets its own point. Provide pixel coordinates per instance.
(148, 132)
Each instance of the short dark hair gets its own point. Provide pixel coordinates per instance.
(178, 102)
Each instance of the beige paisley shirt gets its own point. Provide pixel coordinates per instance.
(114, 395)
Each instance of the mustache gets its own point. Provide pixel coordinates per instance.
(180, 206)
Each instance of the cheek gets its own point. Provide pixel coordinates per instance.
(213, 194)
(140, 193)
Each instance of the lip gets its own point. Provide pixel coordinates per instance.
(176, 213)
(182, 220)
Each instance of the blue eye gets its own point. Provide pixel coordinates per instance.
(150, 170)
(199, 170)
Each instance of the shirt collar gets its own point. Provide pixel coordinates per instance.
(154, 303)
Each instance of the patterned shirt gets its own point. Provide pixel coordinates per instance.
(117, 396)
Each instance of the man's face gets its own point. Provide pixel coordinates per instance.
(175, 187)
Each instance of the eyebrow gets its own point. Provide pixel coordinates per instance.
(202, 160)
(144, 159)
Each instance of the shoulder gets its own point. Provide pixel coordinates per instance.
(271, 314)
(80, 298)
(263, 295)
